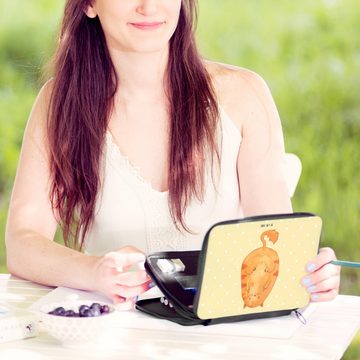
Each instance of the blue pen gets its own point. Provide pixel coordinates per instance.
(346, 263)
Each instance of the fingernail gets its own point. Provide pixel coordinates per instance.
(310, 267)
(312, 288)
(314, 296)
(151, 285)
(306, 281)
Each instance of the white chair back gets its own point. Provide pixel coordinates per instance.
(293, 171)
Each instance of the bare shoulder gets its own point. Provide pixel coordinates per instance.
(40, 107)
(241, 92)
(43, 98)
(37, 122)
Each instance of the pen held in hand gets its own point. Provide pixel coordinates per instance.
(351, 264)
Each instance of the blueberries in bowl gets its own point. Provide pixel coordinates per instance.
(77, 321)
(105, 309)
(95, 309)
(60, 311)
(70, 313)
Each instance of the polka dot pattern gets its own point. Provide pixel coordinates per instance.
(228, 245)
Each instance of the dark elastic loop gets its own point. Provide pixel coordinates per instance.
(300, 317)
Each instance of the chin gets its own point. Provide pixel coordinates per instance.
(149, 47)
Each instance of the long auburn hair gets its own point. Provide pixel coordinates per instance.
(81, 103)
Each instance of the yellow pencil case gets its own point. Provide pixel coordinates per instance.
(247, 269)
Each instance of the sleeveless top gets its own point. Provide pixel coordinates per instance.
(130, 212)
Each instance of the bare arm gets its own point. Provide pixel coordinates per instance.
(261, 169)
(261, 160)
(31, 225)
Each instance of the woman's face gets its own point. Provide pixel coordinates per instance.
(136, 25)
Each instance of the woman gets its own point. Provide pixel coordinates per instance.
(131, 100)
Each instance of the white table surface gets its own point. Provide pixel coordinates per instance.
(327, 334)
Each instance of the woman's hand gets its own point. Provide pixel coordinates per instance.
(120, 275)
(323, 280)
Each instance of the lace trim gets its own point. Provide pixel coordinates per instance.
(125, 162)
(161, 233)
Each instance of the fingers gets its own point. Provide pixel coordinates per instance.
(325, 256)
(324, 296)
(323, 280)
(324, 290)
(130, 284)
(122, 304)
(325, 272)
(134, 278)
(117, 299)
(130, 292)
(125, 298)
(123, 276)
(133, 267)
(120, 259)
(324, 285)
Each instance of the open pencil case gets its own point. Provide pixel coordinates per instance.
(247, 269)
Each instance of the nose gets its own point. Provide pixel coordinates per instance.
(147, 7)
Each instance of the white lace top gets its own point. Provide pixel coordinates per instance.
(131, 212)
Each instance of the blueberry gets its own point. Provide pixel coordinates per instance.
(105, 309)
(82, 309)
(70, 313)
(86, 313)
(59, 311)
(96, 306)
(95, 311)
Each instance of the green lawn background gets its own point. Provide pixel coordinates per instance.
(309, 54)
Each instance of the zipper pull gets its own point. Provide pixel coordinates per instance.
(300, 317)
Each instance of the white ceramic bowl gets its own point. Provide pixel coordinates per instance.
(75, 330)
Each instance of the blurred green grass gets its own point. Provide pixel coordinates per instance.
(308, 52)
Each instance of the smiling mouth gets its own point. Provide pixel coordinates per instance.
(147, 25)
